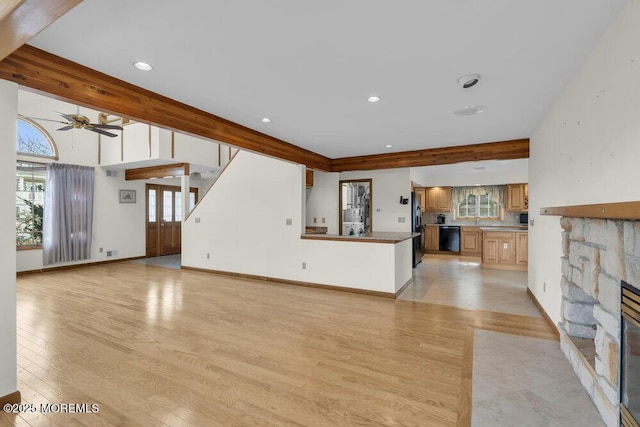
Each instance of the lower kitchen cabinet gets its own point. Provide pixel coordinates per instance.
(432, 238)
(470, 241)
(505, 250)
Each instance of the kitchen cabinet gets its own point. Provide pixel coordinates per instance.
(517, 198)
(522, 249)
(421, 196)
(505, 250)
(470, 241)
(432, 238)
(438, 199)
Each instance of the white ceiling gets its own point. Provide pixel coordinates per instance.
(310, 66)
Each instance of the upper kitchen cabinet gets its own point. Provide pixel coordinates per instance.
(438, 199)
(517, 198)
(422, 197)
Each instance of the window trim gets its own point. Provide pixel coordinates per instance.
(29, 247)
(46, 134)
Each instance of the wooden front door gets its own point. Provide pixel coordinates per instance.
(164, 218)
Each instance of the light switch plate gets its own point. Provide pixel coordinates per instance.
(401, 219)
(289, 221)
(197, 220)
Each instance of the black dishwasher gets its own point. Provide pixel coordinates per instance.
(450, 238)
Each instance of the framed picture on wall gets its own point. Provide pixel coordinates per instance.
(127, 196)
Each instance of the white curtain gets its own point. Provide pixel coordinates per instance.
(68, 213)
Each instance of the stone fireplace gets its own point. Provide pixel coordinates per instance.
(597, 256)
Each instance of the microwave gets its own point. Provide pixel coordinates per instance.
(524, 218)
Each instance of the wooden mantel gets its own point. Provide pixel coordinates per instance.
(622, 210)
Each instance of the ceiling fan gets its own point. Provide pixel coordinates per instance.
(78, 121)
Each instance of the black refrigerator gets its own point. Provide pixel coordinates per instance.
(416, 227)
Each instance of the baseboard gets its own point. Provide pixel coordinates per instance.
(399, 291)
(12, 398)
(295, 282)
(546, 317)
(69, 267)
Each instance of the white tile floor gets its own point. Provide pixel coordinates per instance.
(169, 261)
(516, 380)
(526, 382)
(460, 282)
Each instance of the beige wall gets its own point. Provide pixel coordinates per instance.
(587, 148)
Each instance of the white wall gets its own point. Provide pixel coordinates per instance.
(116, 227)
(8, 113)
(243, 228)
(587, 148)
(494, 172)
(322, 201)
(388, 186)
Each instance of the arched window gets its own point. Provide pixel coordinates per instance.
(33, 140)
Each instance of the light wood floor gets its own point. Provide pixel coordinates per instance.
(156, 346)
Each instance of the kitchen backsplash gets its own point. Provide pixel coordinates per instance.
(510, 218)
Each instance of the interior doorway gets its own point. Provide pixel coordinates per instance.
(164, 218)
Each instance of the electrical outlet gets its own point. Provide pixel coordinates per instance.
(323, 220)
(304, 265)
(378, 210)
(401, 219)
(109, 253)
(289, 221)
(101, 250)
(198, 220)
(208, 255)
(315, 220)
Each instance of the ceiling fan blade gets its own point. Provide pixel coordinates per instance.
(101, 132)
(99, 126)
(69, 117)
(47, 120)
(66, 127)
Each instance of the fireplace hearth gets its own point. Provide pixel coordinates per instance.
(630, 357)
(598, 255)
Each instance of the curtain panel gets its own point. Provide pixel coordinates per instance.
(68, 213)
(495, 192)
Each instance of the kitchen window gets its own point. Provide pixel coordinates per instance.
(473, 203)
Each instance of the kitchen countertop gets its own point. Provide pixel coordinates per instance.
(487, 227)
(505, 228)
(375, 237)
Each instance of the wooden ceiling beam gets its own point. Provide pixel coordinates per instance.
(22, 19)
(504, 150)
(161, 171)
(66, 80)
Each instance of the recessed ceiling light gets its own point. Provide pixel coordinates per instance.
(265, 120)
(470, 110)
(388, 146)
(143, 66)
(373, 98)
(468, 81)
